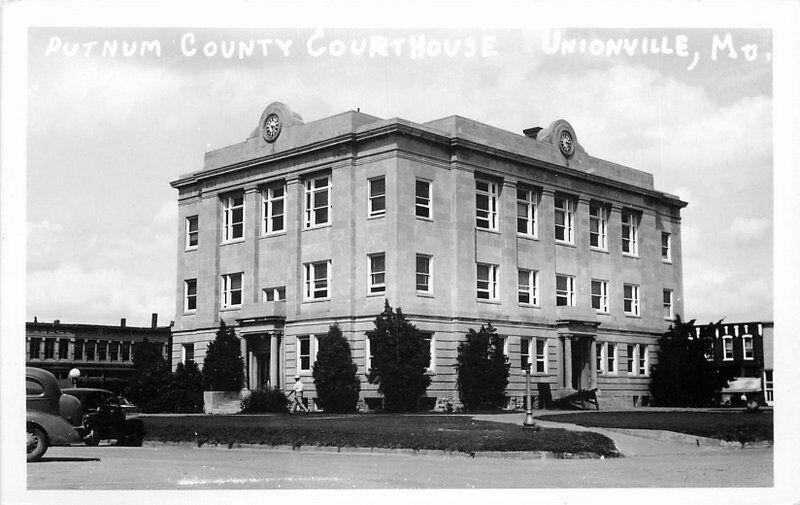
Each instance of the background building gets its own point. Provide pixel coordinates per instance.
(98, 351)
(575, 260)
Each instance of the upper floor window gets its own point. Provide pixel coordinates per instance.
(113, 351)
(78, 349)
(527, 292)
(274, 294)
(527, 212)
(33, 350)
(317, 280)
(231, 290)
(666, 246)
(422, 198)
(89, 349)
(232, 218)
(565, 290)
(318, 201)
(598, 224)
(564, 212)
(487, 281)
(125, 352)
(630, 233)
(63, 348)
(423, 273)
(192, 233)
(49, 348)
(377, 273)
(727, 347)
(600, 296)
(668, 311)
(747, 347)
(190, 295)
(377, 197)
(630, 302)
(273, 200)
(486, 196)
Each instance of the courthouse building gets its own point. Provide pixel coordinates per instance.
(575, 260)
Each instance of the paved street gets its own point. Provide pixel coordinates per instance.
(187, 467)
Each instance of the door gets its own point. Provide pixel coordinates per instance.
(581, 367)
(262, 366)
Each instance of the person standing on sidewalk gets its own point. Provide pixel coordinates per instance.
(297, 391)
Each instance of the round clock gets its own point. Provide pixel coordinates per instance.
(565, 143)
(272, 127)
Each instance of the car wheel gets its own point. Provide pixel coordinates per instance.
(92, 439)
(36, 443)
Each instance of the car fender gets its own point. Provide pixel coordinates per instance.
(57, 429)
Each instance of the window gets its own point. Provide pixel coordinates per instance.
(35, 344)
(631, 358)
(33, 387)
(768, 385)
(49, 348)
(306, 348)
(527, 290)
(63, 348)
(599, 356)
(565, 290)
(666, 246)
(727, 348)
(190, 295)
(541, 355)
(113, 351)
(192, 233)
(232, 218)
(273, 199)
(318, 202)
(187, 353)
(428, 337)
(747, 347)
(600, 296)
(102, 346)
(486, 195)
(90, 346)
(126, 351)
(668, 313)
(377, 197)
(231, 290)
(367, 353)
(527, 212)
(564, 216)
(275, 294)
(611, 357)
(377, 273)
(505, 346)
(423, 274)
(630, 302)
(317, 280)
(78, 353)
(524, 353)
(487, 281)
(643, 359)
(630, 233)
(598, 221)
(422, 199)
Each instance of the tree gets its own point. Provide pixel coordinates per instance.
(151, 377)
(400, 357)
(335, 374)
(223, 368)
(186, 389)
(683, 376)
(482, 369)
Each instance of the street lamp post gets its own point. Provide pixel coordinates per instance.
(73, 375)
(529, 422)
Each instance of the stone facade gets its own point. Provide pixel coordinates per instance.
(449, 191)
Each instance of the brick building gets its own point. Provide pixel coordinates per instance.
(98, 351)
(575, 260)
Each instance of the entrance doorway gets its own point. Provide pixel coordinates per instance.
(581, 373)
(262, 370)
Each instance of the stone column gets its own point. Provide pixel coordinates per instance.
(245, 355)
(593, 363)
(567, 361)
(273, 360)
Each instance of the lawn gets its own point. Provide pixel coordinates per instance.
(736, 426)
(432, 432)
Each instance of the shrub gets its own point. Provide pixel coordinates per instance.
(223, 368)
(683, 377)
(149, 387)
(400, 357)
(265, 400)
(335, 374)
(482, 370)
(186, 389)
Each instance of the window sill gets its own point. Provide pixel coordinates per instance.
(189, 312)
(530, 305)
(565, 243)
(234, 241)
(487, 230)
(231, 308)
(489, 302)
(273, 234)
(666, 261)
(188, 249)
(630, 255)
(423, 218)
(317, 300)
(316, 226)
(602, 313)
(633, 316)
(670, 319)
(376, 295)
(375, 216)
(535, 238)
(598, 250)
(425, 294)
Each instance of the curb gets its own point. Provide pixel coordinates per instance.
(674, 436)
(540, 455)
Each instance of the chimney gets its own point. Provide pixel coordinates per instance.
(122, 322)
(57, 321)
(35, 320)
(153, 320)
(532, 132)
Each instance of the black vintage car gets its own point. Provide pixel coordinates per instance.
(104, 418)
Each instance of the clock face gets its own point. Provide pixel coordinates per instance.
(565, 143)
(272, 127)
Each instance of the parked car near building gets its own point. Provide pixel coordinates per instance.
(129, 408)
(104, 417)
(52, 418)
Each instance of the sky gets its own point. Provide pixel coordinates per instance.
(107, 134)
